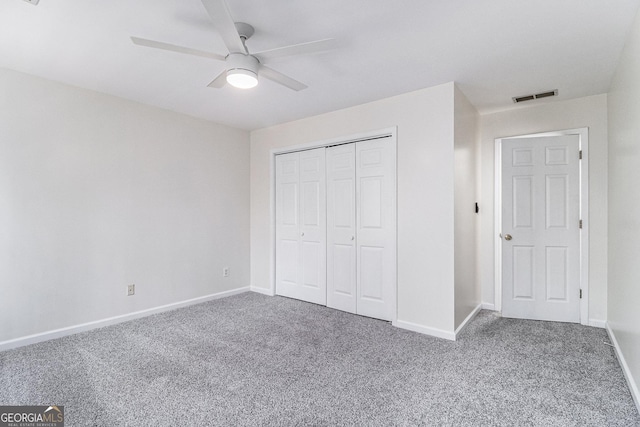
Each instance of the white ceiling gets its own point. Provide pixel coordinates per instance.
(493, 49)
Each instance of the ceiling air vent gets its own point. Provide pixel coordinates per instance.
(517, 99)
(33, 2)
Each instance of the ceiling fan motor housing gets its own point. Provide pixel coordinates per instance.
(240, 61)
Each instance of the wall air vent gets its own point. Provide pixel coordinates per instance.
(547, 94)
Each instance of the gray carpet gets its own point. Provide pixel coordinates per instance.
(257, 360)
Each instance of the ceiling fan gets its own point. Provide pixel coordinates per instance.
(242, 67)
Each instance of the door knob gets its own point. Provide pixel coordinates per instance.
(353, 238)
(507, 237)
(302, 234)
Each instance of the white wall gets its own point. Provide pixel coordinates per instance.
(425, 194)
(467, 288)
(97, 192)
(624, 208)
(588, 112)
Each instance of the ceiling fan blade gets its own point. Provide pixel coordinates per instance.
(176, 48)
(219, 81)
(298, 49)
(218, 11)
(278, 77)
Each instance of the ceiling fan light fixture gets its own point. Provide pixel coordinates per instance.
(243, 70)
(242, 79)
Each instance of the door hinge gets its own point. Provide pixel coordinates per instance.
(580, 224)
(580, 293)
(580, 154)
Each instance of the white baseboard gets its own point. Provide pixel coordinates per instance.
(596, 323)
(434, 332)
(70, 330)
(487, 306)
(262, 291)
(466, 321)
(633, 387)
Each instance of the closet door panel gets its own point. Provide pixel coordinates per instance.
(341, 228)
(313, 212)
(376, 228)
(287, 225)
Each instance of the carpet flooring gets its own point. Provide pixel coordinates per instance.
(253, 360)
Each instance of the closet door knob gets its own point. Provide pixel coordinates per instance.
(353, 238)
(302, 234)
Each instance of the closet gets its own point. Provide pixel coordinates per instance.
(335, 226)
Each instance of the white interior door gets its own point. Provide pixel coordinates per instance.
(540, 228)
(341, 227)
(376, 228)
(301, 226)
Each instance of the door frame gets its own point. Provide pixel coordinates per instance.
(391, 133)
(583, 144)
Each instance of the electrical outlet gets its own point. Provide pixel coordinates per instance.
(225, 272)
(131, 290)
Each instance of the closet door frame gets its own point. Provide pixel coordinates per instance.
(390, 133)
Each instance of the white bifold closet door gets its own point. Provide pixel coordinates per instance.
(361, 228)
(301, 226)
(341, 228)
